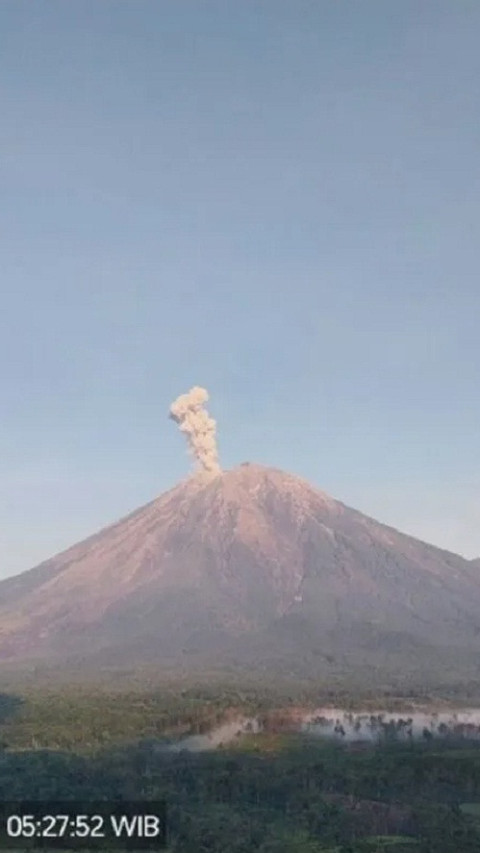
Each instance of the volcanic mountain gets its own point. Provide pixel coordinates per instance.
(254, 570)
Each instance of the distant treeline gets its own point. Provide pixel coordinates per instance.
(86, 718)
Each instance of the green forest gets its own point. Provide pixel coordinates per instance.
(274, 792)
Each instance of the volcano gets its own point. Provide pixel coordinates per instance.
(249, 570)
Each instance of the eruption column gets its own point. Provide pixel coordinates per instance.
(193, 419)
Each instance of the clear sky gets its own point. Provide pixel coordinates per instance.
(276, 200)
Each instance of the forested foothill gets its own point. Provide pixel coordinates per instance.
(277, 791)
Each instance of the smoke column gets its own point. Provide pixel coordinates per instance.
(193, 419)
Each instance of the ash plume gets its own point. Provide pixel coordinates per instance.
(193, 419)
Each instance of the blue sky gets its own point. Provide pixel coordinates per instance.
(276, 200)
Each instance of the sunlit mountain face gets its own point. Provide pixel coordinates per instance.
(250, 570)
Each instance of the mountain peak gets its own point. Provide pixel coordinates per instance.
(255, 480)
(230, 567)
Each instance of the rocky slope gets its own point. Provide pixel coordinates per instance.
(250, 568)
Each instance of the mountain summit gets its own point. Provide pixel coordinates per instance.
(251, 568)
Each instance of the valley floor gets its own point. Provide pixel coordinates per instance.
(268, 791)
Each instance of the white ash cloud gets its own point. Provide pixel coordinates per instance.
(193, 419)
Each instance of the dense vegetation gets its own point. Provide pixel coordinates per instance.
(272, 793)
(85, 717)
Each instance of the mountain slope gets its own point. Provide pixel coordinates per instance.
(252, 567)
